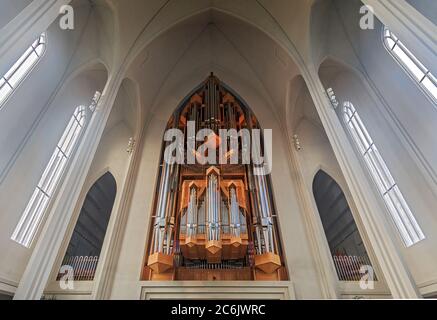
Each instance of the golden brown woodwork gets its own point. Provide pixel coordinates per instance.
(160, 262)
(211, 170)
(244, 274)
(268, 262)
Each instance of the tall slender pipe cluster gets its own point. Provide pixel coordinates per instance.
(213, 206)
(192, 213)
(212, 104)
(262, 206)
(235, 212)
(163, 224)
(266, 219)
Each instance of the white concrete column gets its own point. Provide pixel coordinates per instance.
(416, 31)
(371, 209)
(17, 35)
(321, 253)
(108, 260)
(40, 265)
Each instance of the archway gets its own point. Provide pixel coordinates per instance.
(214, 214)
(89, 233)
(347, 248)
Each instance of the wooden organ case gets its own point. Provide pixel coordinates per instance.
(213, 222)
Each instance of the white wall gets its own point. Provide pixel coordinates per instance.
(399, 116)
(426, 7)
(10, 9)
(32, 122)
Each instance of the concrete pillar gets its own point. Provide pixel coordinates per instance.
(370, 207)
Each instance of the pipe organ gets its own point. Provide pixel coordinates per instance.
(213, 221)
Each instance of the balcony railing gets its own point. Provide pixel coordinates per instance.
(348, 267)
(84, 267)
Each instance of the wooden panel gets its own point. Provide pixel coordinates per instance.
(185, 274)
(278, 275)
(229, 251)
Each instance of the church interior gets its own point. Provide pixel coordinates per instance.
(342, 95)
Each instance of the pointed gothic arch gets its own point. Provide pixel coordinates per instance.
(347, 247)
(86, 242)
(213, 216)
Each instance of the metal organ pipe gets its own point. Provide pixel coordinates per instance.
(214, 212)
(256, 209)
(213, 202)
(192, 213)
(162, 227)
(264, 228)
(266, 219)
(209, 206)
(235, 212)
(171, 206)
(160, 223)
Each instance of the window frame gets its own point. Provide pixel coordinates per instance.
(5, 79)
(401, 215)
(427, 73)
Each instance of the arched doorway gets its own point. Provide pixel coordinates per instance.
(213, 215)
(347, 248)
(89, 233)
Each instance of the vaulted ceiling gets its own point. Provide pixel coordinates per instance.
(214, 42)
(165, 42)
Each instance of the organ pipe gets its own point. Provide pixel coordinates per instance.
(264, 226)
(213, 205)
(160, 222)
(235, 212)
(164, 219)
(192, 213)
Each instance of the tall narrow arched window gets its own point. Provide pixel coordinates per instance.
(21, 68)
(36, 208)
(419, 72)
(400, 212)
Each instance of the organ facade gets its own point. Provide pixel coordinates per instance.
(214, 222)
